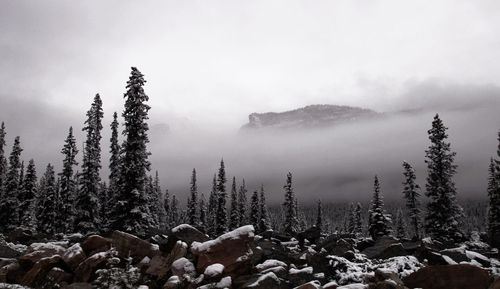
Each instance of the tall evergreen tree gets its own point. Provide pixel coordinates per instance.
(104, 205)
(234, 215)
(212, 208)
(9, 204)
(351, 225)
(411, 192)
(253, 215)
(319, 215)
(174, 212)
(67, 189)
(443, 212)
(27, 198)
(159, 211)
(263, 216)
(493, 191)
(47, 202)
(153, 201)
(358, 222)
(114, 168)
(132, 213)
(3, 160)
(400, 225)
(221, 214)
(242, 204)
(193, 201)
(166, 207)
(203, 213)
(379, 221)
(291, 224)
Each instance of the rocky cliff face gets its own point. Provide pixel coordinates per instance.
(309, 117)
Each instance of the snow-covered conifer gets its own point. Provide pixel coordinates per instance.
(379, 224)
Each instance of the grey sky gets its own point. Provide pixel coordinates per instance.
(218, 61)
(210, 63)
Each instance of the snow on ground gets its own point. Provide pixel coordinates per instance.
(402, 265)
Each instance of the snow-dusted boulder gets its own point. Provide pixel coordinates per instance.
(95, 244)
(300, 276)
(233, 250)
(188, 234)
(265, 281)
(310, 285)
(38, 251)
(129, 245)
(270, 264)
(183, 266)
(160, 265)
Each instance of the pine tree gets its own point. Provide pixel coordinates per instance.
(379, 221)
(67, 189)
(131, 211)
(242, 204)
(493, 191)
(221, 214)
(159, 212)
(3, 161)
(253, 215)
(358, 223)
(166, 207)
(114, 169)
(234, 215)
(203, 212)
(174, 212)
(212, 208)
(351, 225)
(153, 201)
(27, 198)
(400, 225)
(263, 217)
(104, 203)
(291, 224)
(9, 204)
(443, 212)
(411, 192)
(193, 201)
(47, 202)
(319, 215)
(21, 177)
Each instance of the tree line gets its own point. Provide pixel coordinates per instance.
(76, 199)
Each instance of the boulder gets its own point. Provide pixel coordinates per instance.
(8, 251)
(38, 251)
(496, 283)
(310, 285)
(129, 245)
(300, 276)
(6, 261)
(12, 273)
(429, 257)
(380, 245)
(457, 254)
(188, 234)
(233, 250)
(160, 265)
(265, 281)
(95, 244)
(78, 286)
(73, 256)
(312, 235)
(39, 271)
(331, 285)
(183, 266)
(84, 271)
(58, 276)
(393, 250)
(213, 271)
(339, 247)
(461, 276)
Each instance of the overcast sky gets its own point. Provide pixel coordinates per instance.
(211, 63)
(218, 61)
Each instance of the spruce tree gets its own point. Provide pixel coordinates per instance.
(3, 160)
(212, 208)
(493, 191)
(114, 168)
(263, 217)
(203, 213)
(153, 201)
(400, 225)
(193, 201)
(159, 211)
(67, 189)
(104, 205)
(234, 215)
(319, 215)
(131, 211)
(411, 192)
(242, 204)
(166, 207)
(47, 202)
(443, 212)
(291, 224)
(174, 212)
(221, 214)
(253, 215)
(28, 197)
(351, 225)
(9, 204)
(358, 222)
(379, 221)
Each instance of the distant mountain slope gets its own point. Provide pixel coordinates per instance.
(320, 115)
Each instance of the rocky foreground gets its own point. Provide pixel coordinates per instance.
(187, 258)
